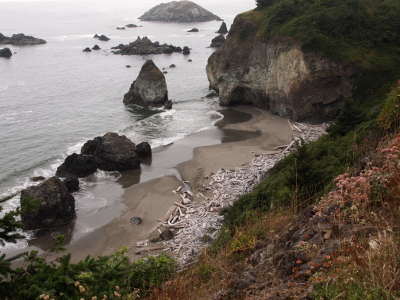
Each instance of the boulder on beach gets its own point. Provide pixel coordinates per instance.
(72, 184)
(5, 52)
(52, 204)
(78, 165)
(179, 11)
(149, 88)
(116, 152)
(217, 41)
(21, 39)
(223, 29)
(143, 150)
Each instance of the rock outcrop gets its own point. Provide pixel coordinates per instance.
(78, 165)
(144, 46)
(53, 205)
(179, 11)
(217, 41)
(5, 52)
(112, 152)
(223, 29)
(20, 39)
(149, 89)
(277, 74)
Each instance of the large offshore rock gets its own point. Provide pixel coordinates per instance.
(179, 11)
(217, 41)
(55, 206)
(78, 165)
(116, 153)
(276, 74)
(149, 89)
(20, 39)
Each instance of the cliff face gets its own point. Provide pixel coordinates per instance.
(277, 74)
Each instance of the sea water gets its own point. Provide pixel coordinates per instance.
(54, 97)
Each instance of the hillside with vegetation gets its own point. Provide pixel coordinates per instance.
(324, 224)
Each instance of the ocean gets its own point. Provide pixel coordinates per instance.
(54, 97)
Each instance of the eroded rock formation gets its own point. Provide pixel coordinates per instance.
(149, 89)
(144, 46)
(277, 74)
(179, 11)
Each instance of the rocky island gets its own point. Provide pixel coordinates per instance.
(144, 46)
(179, 11)
(20, 40)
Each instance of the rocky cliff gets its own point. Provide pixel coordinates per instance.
(276, 74)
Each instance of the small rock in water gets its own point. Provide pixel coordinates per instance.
(87, 49)
(135, 221)
(128, 66)
(38, 178)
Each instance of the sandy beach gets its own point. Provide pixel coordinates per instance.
(245, 132)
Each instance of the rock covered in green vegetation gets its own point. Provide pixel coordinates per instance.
(303, 60)
(179, 11)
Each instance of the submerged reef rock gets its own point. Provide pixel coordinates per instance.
(52, 205)
(276, 73)
(20, 39)
(149, 89)
(179, 11)
(144, 46)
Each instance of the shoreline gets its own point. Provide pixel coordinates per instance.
(148, 193)
(150, 200)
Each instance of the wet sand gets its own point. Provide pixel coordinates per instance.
(148, 193)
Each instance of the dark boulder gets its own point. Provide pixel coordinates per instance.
(87, 49)
(103, 38)
(116, 153)
(149, 88)
(78, 165)
(54, 205)
(223, 29)
(90, 146)
(5, 52)
(167, 234)
(168, 105)
(136, 221)
(186, 50)
(172, 66)
(193, 30)
(143, 150)
(96, 47)
(72, 184)
(217, 41)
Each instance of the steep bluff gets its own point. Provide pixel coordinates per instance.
(276, 74)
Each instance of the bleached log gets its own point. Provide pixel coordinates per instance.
(290, 124)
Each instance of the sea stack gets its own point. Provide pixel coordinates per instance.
(149, 88)
(223, 29)
(179, 11)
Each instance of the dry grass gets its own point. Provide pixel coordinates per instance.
(215, 269)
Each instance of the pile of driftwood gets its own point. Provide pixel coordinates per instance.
(196, 224)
